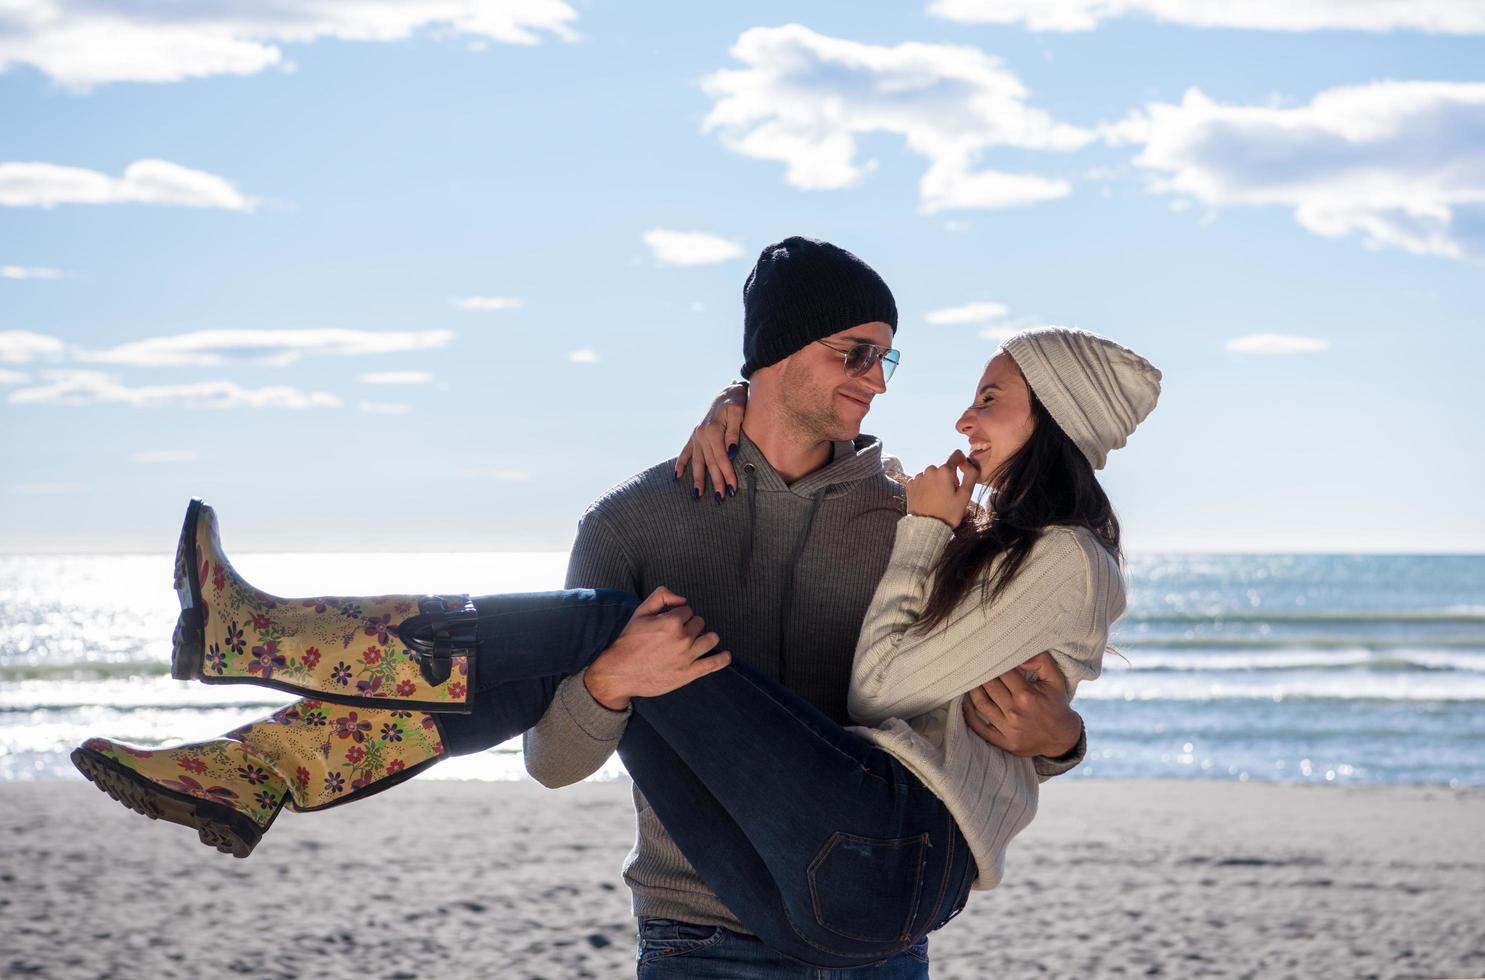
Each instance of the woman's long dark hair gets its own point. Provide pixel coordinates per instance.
(1046, 482)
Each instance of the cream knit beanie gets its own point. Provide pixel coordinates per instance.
(1096, 390)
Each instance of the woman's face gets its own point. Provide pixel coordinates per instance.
(999, 421)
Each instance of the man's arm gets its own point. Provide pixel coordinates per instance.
(1030, 718)
(577, 734)
(1046, 767)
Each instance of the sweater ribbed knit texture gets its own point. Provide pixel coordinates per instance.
(910, 686)
(783, 573)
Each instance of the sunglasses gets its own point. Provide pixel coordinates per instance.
(861, 358)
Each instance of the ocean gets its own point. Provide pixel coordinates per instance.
(1289, 668)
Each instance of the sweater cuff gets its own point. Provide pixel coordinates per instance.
(597, 722)
(1047, 768)
(919, 543)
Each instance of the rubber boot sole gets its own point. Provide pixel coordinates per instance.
(218, 825)
(188, 643)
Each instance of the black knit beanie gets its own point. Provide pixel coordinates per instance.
(802, 290)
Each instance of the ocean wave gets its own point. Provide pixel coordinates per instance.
(1468, 614)
(83, 670)
(1132, 641)
(1137, 685)
(1178, 672)
(1292, 657)
(134, 694)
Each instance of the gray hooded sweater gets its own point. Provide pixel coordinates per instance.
(783, 573)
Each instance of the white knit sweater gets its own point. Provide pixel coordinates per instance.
(908, 687)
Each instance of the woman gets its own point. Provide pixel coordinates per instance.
(836, 846)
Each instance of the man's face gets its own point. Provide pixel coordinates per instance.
(818, 397)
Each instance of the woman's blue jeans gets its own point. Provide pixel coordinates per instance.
(822, 844)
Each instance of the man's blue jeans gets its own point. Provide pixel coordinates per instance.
(825, 846)
(671, 950)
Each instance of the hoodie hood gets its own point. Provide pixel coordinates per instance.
(852, 460)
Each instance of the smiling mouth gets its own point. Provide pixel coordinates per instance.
(976, 448)
(859, 401)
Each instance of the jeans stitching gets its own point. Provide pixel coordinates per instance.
(943, 888)
(838, 837)
(676, 947)
(892, 948)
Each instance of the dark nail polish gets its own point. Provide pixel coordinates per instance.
(732, 451)
(718, 495)
(731, 490)
(695, 493)
(675, 476)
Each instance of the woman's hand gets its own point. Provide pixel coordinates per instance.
(944, 491)
(714, 442)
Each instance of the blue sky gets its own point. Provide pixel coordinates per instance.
(420, 276)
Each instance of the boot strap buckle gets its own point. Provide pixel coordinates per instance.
(438, 634)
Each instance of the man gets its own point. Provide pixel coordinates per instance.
(784, 574)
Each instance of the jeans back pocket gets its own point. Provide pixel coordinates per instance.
(867, 888)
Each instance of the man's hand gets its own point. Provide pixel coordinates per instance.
(659, 650)
(1025, 718)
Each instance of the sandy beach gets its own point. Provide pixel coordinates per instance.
(508, 880)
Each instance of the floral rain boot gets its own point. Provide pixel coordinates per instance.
(309, 755)
(221, 788)
(333, 753)
(415, 652)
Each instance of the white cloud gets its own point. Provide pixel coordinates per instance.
(1276, 343)
(583, 355)
(1400, 163)
(144, 182)
(1434, 16)
(274, 347)
(804, 99)
(968, 313)
(165, 456)
(395, 378)
(55, 489)
(952, 186)
(28, 272)
(81, 43)
(385, 408)
(98, 388)
(690, 247)
(489, 303)
(13, 377)
(22, 346)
